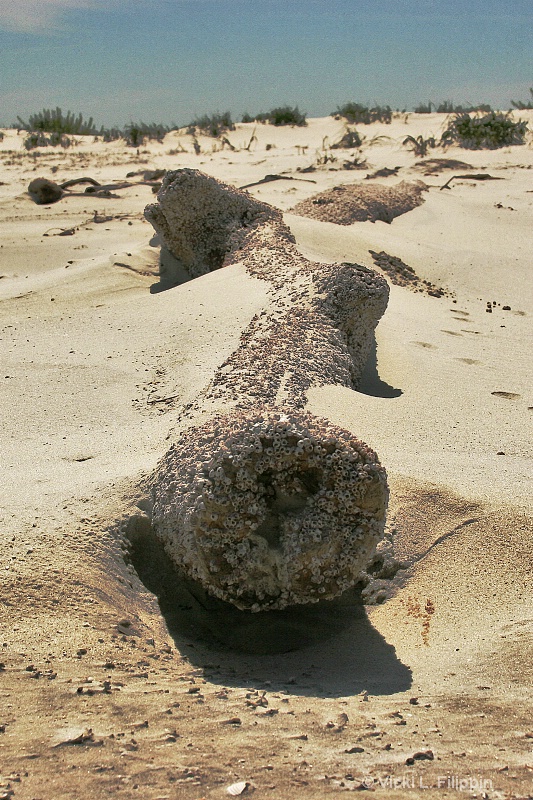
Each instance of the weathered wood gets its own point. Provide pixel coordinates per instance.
(480, 176)
(270, 178)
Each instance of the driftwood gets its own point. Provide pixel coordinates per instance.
(253, 138)
(262, 504)
(75, 181)
(270, 178)
(480, 176)
(96, 218)
(226, 141)
(44, 191)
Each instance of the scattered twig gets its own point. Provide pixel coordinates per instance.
(96, 189)
(62, 231)
(96, 218)
(161, 399)
(226, 141)
(252, 139)
(74, 181)
(269, 178)
(480, 176)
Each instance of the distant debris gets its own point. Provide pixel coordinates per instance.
(479, 176)
(383, 173)
(432, 166)
(43, 191)
(270, 178)
(359, 202)
(403, 275)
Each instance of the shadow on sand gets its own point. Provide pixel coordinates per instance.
(370, 383)
(329, 649)
(171, 270)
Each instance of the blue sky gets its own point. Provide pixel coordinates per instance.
(171, 60)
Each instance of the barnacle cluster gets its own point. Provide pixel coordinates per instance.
(199, 222)
(359, 202)
(321, 336)
(265, 505)
(271, 509)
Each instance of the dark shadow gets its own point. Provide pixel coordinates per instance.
(329, 649)
(370, 382)
(171, 271)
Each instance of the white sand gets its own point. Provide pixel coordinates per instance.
(86, 349)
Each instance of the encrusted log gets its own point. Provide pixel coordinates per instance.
(271, 509)
(201, 220)
(265, 505)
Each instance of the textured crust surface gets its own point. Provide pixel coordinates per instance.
(200, 220)
(345, 205)
(267, 506)
(270, 510)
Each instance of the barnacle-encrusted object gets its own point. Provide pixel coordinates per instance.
(344, 205)
(267, 506)
(200, 219)
(270, 509)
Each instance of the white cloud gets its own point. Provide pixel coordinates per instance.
(39, 16)
(47, 16)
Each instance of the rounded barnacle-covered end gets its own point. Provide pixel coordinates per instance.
(270, 509)
(201, 220)
(355, 297)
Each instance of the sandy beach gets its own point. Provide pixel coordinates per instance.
(115, 678)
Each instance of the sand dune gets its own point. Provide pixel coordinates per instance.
(421, 675)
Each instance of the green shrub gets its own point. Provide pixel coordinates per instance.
(285, 115)
(523, 106)
(486, 107)
(111, 134)
(54, 121)
(419, 146)
(58, 124)
(212, 125)
(136, 133)
(41, 139)
(263, 116)
(350, 139)
(355, 112)
(490, 131)
(424, 108)
(282, 115)
(447, 107)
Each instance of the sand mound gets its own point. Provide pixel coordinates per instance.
(267, 506)
(360, 202)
